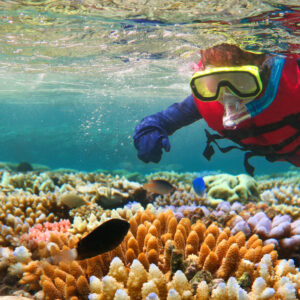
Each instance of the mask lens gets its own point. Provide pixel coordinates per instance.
(207, 87)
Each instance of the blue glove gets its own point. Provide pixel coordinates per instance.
(151, 135)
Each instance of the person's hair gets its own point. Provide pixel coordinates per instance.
(230, 55)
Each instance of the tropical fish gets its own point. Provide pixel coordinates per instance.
(199, 186)
(159, 186)
(106, 237)
(72, 200)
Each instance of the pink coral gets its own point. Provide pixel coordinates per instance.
(41, 232)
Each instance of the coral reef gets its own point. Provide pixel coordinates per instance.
(173, 247)
(219, 188)
(240, 240)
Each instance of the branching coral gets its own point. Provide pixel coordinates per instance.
(281, 232)
(179, 198)
(173, 246)
(283, 199)
(281, 282)
(20, 211)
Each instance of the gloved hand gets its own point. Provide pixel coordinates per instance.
(149, 141)
(151, 135)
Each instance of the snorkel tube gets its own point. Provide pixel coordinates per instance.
(236, 111)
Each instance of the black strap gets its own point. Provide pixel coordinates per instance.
(211, 138)
(209, 150)
(268, 151)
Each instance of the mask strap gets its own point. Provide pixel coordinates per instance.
(257, 106)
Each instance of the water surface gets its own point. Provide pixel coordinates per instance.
(77, 76)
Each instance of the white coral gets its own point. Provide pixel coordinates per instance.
(260, 291)
(286, 289)
(118, 270)
(22, 254)
(95, 285)
(94, 296)
(179, 282)
(152, 296)
(173, 295)
(121, 295)
(234, 291)
(284, 267)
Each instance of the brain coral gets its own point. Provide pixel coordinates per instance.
(242, 188)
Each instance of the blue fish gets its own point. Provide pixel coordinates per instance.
(199, 186)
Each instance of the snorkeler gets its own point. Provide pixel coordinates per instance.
(250, 98)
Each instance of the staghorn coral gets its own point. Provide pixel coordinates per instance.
(24, 201)
(288, 179)
(104, 189)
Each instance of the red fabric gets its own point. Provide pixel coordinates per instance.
(286, 102)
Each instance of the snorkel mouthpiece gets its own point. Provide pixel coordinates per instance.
(234, 112)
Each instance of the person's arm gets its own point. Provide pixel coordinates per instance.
(151, 134)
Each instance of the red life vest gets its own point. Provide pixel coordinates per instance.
(274, 133)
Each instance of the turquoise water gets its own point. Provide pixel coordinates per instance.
(78, 76)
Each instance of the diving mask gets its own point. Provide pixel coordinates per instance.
(238, 110)
(242, 81)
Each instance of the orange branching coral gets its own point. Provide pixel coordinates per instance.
(159, 240)
(217, 251)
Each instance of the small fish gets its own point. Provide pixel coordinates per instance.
(199, 186)
(159, 186)
(106, 237)
(72, 200)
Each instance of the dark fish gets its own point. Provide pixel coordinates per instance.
(199, 186)
(104, 238)
(159, 186)
(24, 167)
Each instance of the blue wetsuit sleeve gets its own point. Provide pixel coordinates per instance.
(151, 134)
(175, 116)
(179, 115)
